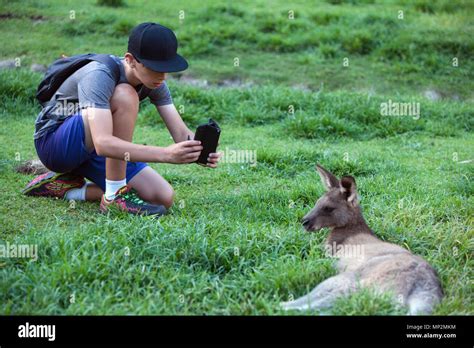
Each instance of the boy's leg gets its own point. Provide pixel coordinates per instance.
(124, 107)
(93, 192)
(152, 187)
(61, 151)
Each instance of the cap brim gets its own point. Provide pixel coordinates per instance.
(177, 63)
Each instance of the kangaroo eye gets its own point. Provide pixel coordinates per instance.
(328, 209)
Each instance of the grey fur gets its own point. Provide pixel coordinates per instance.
(382, 266)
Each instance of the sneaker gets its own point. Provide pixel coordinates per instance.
(126, 199)
(53, 184)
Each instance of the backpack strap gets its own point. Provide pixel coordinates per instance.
(110, 62)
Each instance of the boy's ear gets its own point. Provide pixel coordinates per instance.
(349, 189)
(130, 59)
(328, 179)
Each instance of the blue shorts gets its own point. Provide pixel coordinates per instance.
(64, 151)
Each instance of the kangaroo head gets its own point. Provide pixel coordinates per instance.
(338, 207)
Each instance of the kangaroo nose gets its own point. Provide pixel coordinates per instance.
(305, 222)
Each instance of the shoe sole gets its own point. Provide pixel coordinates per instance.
(30, 191)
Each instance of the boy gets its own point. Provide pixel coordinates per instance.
(95, 140)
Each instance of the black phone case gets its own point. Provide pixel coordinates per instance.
(208, 134)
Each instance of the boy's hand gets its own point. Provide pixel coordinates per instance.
(184, 152)
(213, 159)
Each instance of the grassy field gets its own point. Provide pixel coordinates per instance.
(388, 52)
(233, 243)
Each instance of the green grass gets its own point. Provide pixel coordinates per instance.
(386, 54)
(232, 243)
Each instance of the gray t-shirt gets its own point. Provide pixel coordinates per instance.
(90, 86)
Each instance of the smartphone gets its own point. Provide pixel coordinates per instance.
(208, 134)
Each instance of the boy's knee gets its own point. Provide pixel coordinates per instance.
(124, 95)
(165, 198)
(168, 198)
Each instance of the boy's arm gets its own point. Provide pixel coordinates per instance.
(108, 145)
(179, 131)
(175, 124)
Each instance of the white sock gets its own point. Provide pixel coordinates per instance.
(77, 194)
(111, 188)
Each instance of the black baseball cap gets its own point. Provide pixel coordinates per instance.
(155, 46)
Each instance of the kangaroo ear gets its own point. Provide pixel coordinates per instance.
(329, 180)
(349, 189)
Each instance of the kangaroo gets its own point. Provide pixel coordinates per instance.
(382, 266)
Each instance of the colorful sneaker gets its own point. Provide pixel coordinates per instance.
(53, 184)
(126, 199)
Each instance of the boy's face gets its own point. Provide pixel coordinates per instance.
(149, 78)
